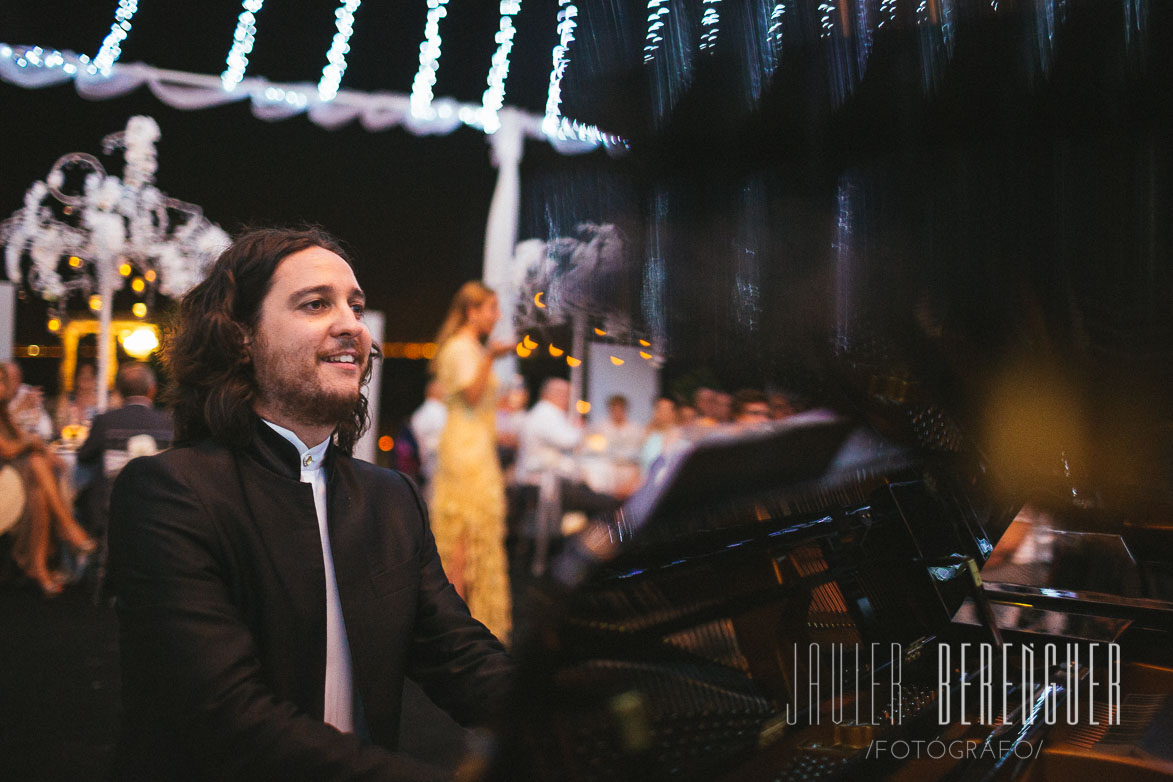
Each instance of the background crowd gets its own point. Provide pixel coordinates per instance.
(507, 477)
(53, 515)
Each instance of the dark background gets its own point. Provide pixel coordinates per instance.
(942, 211)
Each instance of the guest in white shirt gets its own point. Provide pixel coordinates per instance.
(547, 466)
(548, 437)
(617, 440)
(427, 424)
(663, 434)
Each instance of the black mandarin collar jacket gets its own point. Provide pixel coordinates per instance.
(216, 562)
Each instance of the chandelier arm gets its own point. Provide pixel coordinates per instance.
(56, 176)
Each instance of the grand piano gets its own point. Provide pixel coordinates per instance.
(811, 601)
(965, 572)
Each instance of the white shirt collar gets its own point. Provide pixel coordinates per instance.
(309, 458)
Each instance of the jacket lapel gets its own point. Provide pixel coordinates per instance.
(358, 540)
(282, 509)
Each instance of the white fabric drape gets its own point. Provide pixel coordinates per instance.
(271, 101)
(377, 111)
(501, 229)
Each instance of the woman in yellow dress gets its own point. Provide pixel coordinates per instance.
(468, 490)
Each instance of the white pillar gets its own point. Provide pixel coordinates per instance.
(7, 320)
(105, 349)
(365, 447)
(501, 229)
(578, 350)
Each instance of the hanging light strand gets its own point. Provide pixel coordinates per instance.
(339, 48)
(425, 77)
(828, 10)
(776, 25)
(657, 10)
(242, 44)
(566, 25)
(710, 19)
(494, 97)
(111, 48)
(44, 59)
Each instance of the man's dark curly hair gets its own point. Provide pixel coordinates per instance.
(213, 386)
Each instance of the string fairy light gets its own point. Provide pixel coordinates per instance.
(710, 19)
(339, 48)
(242, 44)
(425, 77)
(566, 25)
(35, 58)
(295, 98)
(44, 59)
(657, 10)
(827, 22)
(111, 48)
(572, 129)
(494, 97)
(776, 17)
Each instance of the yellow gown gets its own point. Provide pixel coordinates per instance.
(468, 500)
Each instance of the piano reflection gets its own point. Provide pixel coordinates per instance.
(811, 601)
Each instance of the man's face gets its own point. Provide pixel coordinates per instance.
(618, 413)
(310, 346)
(664, 413)
(705, 399)
(87, 378)
(559, 394)
(754, 413)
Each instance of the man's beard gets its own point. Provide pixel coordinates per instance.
(298, 397)
(307, 404)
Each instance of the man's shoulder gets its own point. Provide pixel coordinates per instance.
(374, 476)
(388, 486)
(185, 476)
(135, 413)
(204, 459)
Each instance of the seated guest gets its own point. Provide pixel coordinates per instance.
(723, 407)
(783, 404)
(81, 407)
(624, 436)
(511, 411)
(27, 407)
(45, 513)
(706, 404)
(750, 408)
(547, 467)
(619, 440)
(273, 591)
(548, 436)
(427, 424)
(135, 429)
(662, 434)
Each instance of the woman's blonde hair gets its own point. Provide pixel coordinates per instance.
(473, 293)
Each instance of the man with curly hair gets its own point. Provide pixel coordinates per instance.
(273, 591)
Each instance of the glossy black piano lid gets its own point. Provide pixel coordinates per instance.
(953, 228)
(955, 224)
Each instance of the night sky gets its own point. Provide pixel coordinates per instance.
(936, 210)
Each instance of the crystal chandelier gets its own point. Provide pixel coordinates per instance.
(91, 241)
